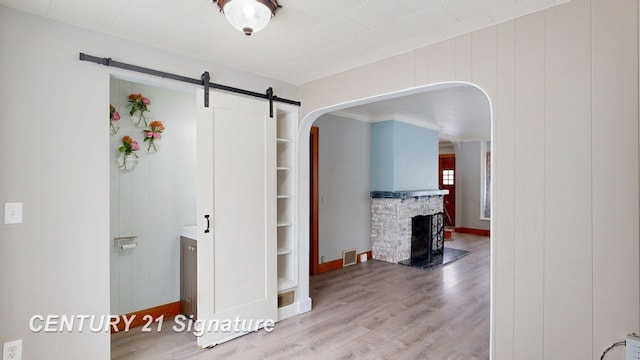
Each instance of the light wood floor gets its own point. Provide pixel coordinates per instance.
(373, 310)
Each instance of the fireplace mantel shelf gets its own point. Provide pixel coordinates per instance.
(407, 194)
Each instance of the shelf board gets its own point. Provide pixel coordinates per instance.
(284, 251)
(284, 140)
(284, 223)
(284, 284)
(285, 196)
(284, 168)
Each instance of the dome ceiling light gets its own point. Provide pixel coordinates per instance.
(248, 16)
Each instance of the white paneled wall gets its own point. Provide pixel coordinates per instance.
(529, 216)
(568, 182)
(504, 190)
(483, 60)
(564, 89)
(614, 34)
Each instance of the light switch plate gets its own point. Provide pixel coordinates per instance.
(13, 213)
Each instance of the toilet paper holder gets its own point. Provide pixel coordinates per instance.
(126, 242)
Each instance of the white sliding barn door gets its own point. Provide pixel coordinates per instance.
(236, 187)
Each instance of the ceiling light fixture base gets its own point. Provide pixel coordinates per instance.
(248, 16)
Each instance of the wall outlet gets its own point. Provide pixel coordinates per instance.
(633, 347)
(12, 350)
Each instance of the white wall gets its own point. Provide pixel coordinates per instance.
(152, 201)
(54, 155)
(469, 183)
(564, 88)
(446, 148)
(344, 186)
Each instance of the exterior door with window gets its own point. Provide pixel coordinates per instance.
(447, 180)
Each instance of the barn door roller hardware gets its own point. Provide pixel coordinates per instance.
(205, 80)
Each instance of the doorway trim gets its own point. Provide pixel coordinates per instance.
(304, 181)
(314, 224)
(449, 215)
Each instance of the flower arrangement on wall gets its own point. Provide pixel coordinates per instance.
(139, 105)
(152, 134)
(113, 116)
(152, 131)
(128, 158)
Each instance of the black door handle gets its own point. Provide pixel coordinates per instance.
(207, 229)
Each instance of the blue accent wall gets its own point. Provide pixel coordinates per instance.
(403, 157)
(382, 140)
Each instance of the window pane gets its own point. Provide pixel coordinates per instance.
(447, 177)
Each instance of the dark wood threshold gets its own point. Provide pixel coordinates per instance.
(480, 232)
(167, 310)
(337, 264)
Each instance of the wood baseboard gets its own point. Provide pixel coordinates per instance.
(337, 263)
(166, 310)
(331, 265)
(480, 232)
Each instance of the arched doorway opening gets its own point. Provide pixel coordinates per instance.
(304, 163)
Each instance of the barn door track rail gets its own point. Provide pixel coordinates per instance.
(205, 80)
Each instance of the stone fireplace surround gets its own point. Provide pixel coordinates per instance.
(391, 213)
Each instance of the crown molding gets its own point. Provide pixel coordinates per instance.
(450, 138)
(408, 119)
(354, 115)
(397, 116)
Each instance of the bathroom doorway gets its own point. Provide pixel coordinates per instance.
(152, 195)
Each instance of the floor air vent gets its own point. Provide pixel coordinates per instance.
(349, 257)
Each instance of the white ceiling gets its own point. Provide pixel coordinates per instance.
(308, 40)
(458, 112)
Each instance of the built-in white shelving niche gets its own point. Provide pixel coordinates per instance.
(286, 129)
